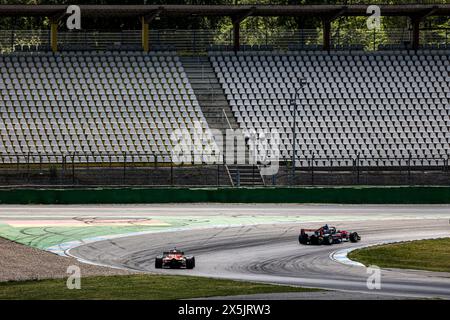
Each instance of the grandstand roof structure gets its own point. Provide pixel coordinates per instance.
(147, 13)
(411, 10)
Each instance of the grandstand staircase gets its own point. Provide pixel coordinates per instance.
(218, 114)
(245, 175)
(209, 92)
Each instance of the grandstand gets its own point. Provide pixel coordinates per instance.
(91, 103)
(116, 114)
(380, 105)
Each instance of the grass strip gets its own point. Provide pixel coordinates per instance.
(136, 287)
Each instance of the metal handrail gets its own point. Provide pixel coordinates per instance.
(27, 158)
(229, 174)
(226, 165)
(196, 41)
(226, 117)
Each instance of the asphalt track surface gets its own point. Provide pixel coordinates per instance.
(270, 252)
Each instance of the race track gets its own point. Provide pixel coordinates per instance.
(269, 252)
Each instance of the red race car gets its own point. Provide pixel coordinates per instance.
(326, 235)
(174, 259)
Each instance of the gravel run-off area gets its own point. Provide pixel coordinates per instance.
(19, 263)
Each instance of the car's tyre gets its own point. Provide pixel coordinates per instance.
(303, 239)
(328, 240)
(158, 263)
(190, 263)
(314, 240)
(354, 237)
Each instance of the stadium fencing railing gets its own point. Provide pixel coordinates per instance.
(85, 169)
(197, 41)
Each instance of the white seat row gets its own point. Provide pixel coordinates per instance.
(376, 106)
(113, 104)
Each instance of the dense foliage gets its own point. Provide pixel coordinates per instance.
(276, 31)
(223, 23)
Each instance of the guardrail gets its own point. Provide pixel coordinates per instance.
(202, 158)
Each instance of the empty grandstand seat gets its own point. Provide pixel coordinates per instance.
(94, 103)
(381, 105)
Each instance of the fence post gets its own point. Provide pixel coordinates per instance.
(73, 169)
(357, 168)
(253, 175)
(294, 169)
(446, 162)
(124, 167)
(28, 167)
(171, 173)
(218, 174)
(63, 170)
(409, 167)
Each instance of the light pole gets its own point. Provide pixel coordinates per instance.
(294, 125)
